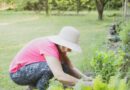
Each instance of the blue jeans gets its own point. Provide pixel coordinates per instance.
(35, 74)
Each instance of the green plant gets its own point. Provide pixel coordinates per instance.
(125, 38)
(117, 84)
(55, 85)
(125, 33)
(106, 64)
(98, 84)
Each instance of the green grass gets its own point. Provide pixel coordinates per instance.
(17, 28)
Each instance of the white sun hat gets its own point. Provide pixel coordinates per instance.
(68, 37)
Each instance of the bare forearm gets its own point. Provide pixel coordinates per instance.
(78, 73)
(83, 76)
(68, 79)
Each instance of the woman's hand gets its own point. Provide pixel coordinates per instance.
(87, 78)
(88, 83)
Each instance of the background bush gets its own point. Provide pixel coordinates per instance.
(65, 5)
(125, 37)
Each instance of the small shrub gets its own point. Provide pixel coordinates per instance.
(98, 84)
(125, 38)
(117, 84)
(55, 85)
(125, 33)
(106, 64)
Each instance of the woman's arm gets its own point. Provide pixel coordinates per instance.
(83, 76)
(58, 73)
(76, 72)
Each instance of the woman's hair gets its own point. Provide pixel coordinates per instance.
(63, 56)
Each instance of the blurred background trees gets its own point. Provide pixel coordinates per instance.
(61, 5)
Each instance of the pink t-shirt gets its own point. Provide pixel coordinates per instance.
(34, 51)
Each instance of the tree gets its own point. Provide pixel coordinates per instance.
(45, 4)
(47, 7)
(100, 4)
(78, 6)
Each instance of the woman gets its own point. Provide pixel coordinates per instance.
(44, 58)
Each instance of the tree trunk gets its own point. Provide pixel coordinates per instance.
(100, 14)
(100, 4)
(78, 6)
(47, 7)
(44, 5)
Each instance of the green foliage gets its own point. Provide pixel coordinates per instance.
(113, 4)
(129, 84)
(7, 1)
(55, 85)
(98, 84)
(107, 64)
(115, 83)
(23, 4)
(125, 33)
(62, 4)
(125, 37)
(69, 5)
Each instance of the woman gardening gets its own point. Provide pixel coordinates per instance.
(46, 57)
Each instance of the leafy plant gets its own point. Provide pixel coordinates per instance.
(106, 64)
(55, 85)
(115, 83)
(98, 84)
(125, 38)
(125, 33)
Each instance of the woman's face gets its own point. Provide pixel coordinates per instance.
(64, 49)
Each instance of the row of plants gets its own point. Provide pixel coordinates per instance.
(125, 45)
(107, 64)
(115, 83)
(110, 63)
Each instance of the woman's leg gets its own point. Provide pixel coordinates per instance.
(33, 75)
(43, 82)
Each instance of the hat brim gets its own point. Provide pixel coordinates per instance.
(58, 40)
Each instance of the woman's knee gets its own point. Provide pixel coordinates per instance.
(43, 82)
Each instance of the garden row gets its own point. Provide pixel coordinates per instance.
(111, 66)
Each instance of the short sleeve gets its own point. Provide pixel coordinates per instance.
(49, 49)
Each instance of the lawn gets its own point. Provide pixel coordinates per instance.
(17, 28)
